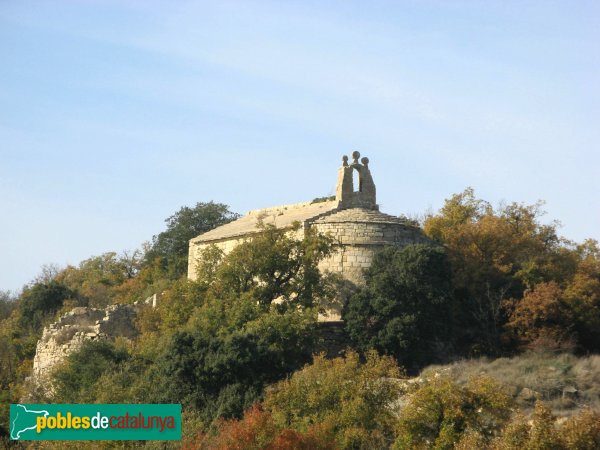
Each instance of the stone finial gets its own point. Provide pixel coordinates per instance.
(350, 196)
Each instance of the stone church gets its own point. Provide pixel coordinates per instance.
(353, 219)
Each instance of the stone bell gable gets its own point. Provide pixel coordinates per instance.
(349, 196)
(353, 219)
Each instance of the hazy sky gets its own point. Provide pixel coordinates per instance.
(114, 114)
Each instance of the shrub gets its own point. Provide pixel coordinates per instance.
(222, 363)
(74, 380)
(582, 432)
(441, 413)
(352, 399)
(258, 431)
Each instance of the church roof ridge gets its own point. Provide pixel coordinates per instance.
(280, 216)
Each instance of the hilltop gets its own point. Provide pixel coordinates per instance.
(499, 316)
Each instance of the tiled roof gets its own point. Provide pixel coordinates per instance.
(280, 216)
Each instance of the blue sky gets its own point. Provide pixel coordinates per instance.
(114, 114)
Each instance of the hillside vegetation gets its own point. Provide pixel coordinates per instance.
(565, 382)
(501, 320)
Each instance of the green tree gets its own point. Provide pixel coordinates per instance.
(170, 247)
(41, 301)
(7, 304)
(98, 279)
(129, 378)
(238, 338)
(222, 373)
(19, 334)
(274, 265)
(178, 303)
(496, 254)
(582, 296)
(404, 309)
(74, 380)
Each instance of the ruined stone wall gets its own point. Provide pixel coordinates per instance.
(68, 334)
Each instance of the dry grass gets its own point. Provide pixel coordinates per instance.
(565, 382)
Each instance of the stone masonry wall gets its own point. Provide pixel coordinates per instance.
(225, 245)
(359, 241)
(77, 326)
